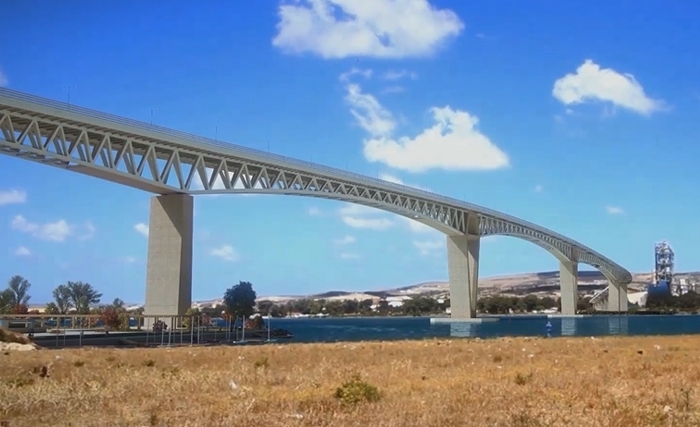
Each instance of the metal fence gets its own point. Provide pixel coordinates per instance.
(79, 330)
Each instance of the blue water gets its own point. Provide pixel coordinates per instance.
(399, 328)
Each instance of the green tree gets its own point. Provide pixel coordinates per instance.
(118, 303)
(82, 296)
(6, 298)
(240, 300)
(51, 308)
(62, 297)
(20, 290)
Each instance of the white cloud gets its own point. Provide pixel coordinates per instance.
(428, 247)
(314, 211)
(359, 216)
(378, 28)
(399, 74)
(453, 143)
(3, 79)
(55, 231)
(11, 197)
(592, 83)
(225, 252)
(22, 251)
(141, 228)
(614, 210)
(539, 188)
(393, 89)
(345, 240)
(345, 77)
(89, 231)
(349, 255)
(368, 112)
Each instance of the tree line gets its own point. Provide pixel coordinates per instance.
(239, 301)
(80, 296)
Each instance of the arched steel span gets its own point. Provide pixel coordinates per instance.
(165, 161)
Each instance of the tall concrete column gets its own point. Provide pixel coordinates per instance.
(463, 270)
(617, 297)
(169, 269)
(568, 283)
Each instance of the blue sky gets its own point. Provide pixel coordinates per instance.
(582, 119)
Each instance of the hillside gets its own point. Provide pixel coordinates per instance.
(518, 284)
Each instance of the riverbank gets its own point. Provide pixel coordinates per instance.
(621, 382)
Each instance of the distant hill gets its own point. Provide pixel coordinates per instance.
(545, 281)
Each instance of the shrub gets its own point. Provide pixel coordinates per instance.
(20, 309)
(110, 317)
(190, 316)
(262, 363)
(356, 391)
(521, 379)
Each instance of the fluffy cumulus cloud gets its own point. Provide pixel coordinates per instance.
(56, 231)
(225, 252)
(10, 197)
(453, 143)
(378, 28)
(590, 82)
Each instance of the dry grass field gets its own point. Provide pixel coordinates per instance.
(608, 382)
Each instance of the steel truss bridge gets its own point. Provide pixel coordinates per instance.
(164, 161)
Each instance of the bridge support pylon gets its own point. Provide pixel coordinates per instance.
(568, 284)
(169, 268)
(617, 297)
(463, 270)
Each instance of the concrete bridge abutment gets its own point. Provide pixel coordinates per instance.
(169, 268)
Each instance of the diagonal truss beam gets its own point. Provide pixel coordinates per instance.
(164, 165)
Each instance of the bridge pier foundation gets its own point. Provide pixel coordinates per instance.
(169, 268)
(568, 284)
(617, 297)
(463, 270)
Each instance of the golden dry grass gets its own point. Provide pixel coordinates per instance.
(614, 382)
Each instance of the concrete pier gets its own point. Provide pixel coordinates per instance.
(568, 282)
(617, 297)
(169, 269)
(463, 270)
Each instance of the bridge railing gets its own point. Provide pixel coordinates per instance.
(204, 142)
(77, 330)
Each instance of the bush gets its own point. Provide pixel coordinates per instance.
(190, 316)
(20, 309)
(110, 317)
(262, 363)
(356, 391)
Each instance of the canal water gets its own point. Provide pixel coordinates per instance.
(399, 328)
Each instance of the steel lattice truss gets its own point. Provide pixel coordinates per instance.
(164, 161)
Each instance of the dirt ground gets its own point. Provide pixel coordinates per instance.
(573, 382)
